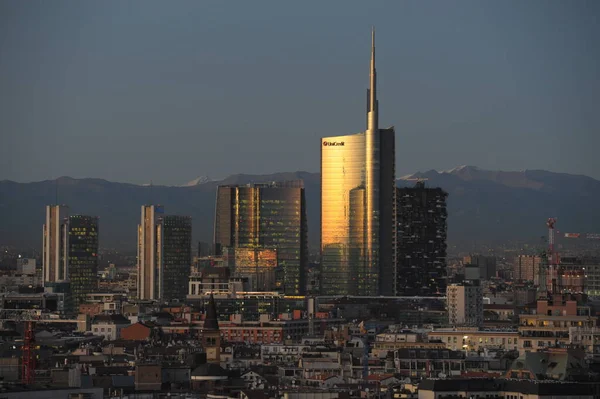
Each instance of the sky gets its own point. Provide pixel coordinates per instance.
(163, 91)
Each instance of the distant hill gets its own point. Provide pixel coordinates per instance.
(495, 206)
(485, 207)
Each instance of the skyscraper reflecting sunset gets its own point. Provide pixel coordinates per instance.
(357, 206)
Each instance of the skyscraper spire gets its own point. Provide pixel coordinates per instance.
(358, 198)
(372, 114)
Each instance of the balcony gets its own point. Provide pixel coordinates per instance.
(544, 334)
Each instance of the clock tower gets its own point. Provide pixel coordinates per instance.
(211, 336)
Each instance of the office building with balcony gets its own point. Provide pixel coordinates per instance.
(526, 268)
(551, 324)
(472, 339)
(421, 241)
(465, 304)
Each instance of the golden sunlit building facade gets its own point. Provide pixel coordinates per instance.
(357, 207)
(263, 227)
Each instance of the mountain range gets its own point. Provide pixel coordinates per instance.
(484, 207)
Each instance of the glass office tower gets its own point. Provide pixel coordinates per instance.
(266, 216)
(83, 257)
(176, 256)
(164, 257)
(357, 207)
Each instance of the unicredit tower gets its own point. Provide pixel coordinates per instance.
(357, 206)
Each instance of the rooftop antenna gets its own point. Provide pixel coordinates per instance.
(56, 191)
(151, 196)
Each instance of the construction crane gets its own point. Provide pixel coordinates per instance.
(27, 317)
(28, 357)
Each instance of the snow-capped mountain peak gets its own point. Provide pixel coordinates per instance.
(460, 168)
(197, 181)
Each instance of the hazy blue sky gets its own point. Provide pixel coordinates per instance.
(166, 91)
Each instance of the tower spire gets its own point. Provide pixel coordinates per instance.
(372, 106)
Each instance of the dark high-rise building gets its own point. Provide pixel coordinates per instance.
(485, 264)
(164, 254)
(176, 256)
(421, 233)
(266, 216)
(357, 206)
(83, 257)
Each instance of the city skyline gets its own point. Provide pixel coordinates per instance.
(398, 269)
(483, 94)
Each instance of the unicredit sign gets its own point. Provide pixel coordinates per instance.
(333, 143)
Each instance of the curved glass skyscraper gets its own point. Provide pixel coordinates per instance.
(357, 206)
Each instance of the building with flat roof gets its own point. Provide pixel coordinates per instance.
(504, 388)
(83, 257)
(421, 240)
(486, 265)
(550, 325)
(55, 254)
(526, 268)
(148, 253)
(176, 256)
(473, 339)
(262, 223)
(465, 304)
(164, 254)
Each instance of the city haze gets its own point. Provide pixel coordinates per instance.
(141, 91)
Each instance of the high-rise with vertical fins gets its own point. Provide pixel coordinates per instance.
(357, 206)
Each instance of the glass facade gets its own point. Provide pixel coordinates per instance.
(357, 206)
(266, 216)
(83, 257)
(343, 228)
(176, 256)
(252, 306)
(256, 264)
(356, 239)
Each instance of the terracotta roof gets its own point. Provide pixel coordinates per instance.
(113, 318)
